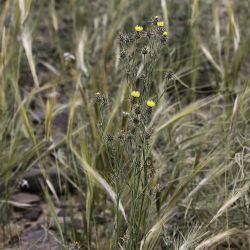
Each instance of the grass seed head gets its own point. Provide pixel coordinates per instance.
(123, 54)
(137, 110)
(98, 97)
(136, 120)
(156, 19)
(144, 51)
(110, 138)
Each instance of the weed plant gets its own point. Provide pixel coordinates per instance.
(129, 152)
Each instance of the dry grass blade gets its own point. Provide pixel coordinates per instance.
(52, 189)
(210, 176)
(194, 235)
(165, 12)
(24, 6)
(214, 240)
(230, 201)
(217, 31)
(211, 59)
(4, 12)
(187, 111)
(195, 11)
(149, 241)
(26, 121)
(50, 105)
(53, 15)
(50, 67)
(233, 27)
(80, 53)
(52, 211)
(238, 103)
(16, 204)
(3, 50)
(99, 179)
(27, 44)
(115, 108)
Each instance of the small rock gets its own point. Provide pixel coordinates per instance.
(66, 221)
(63, 212)
(32, 213)
(36, 182)
(40, 239)
(24, 197)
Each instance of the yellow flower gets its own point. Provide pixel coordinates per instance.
(138, 28)
(165, 33)
(135, 93)
(150, 104)
(160, 24)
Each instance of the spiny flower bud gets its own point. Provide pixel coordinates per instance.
(123, 54)
(98, 97)
(136, 120)
(156, 19)
(169, 75)
(110, 138)
(122, 135)
(137, 110)
(144, 51)
(123, 38)
(148, 134)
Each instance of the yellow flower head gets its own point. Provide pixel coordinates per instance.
(160, 24)
(165, 33)
(138, 28)
(150, 104)
(135, 93)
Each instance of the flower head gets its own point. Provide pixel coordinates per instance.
(150, 103)
(155, 20)
(138, 28)
(165, 33)
(160, 24)
(135, 93)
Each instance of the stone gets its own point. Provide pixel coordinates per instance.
(32, 213)
(24, 197)
(40, 239)
(36, 182)
(63, 212)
